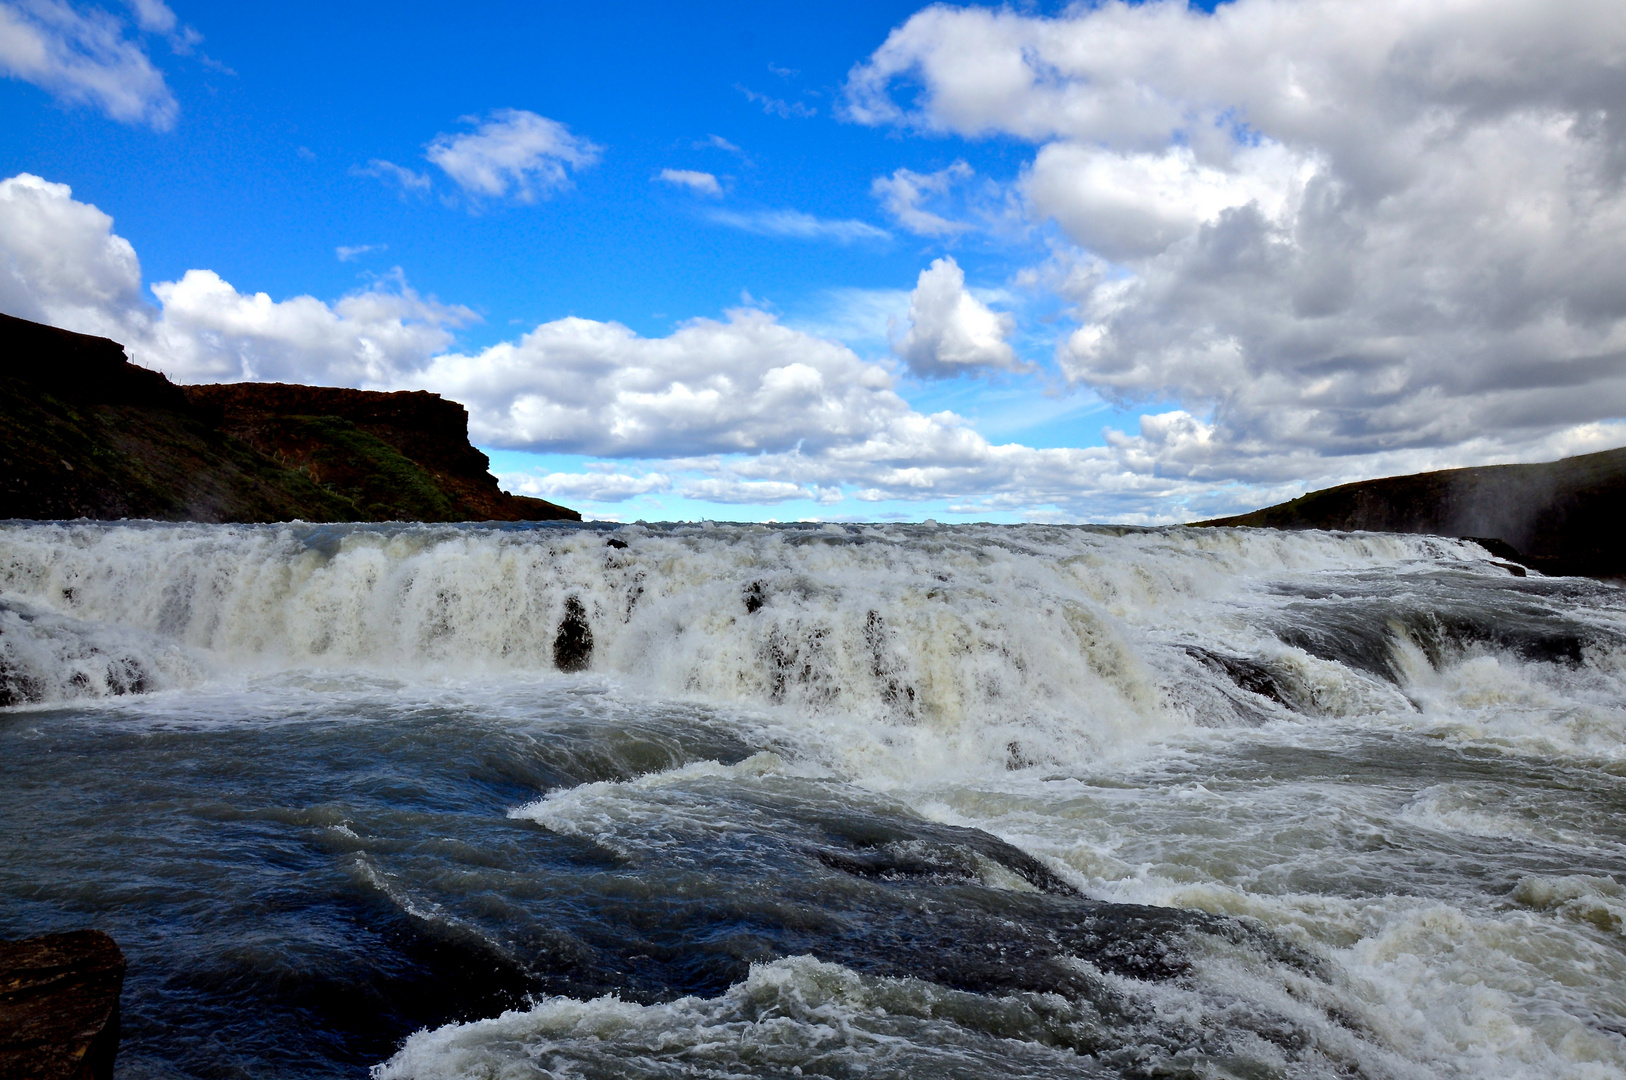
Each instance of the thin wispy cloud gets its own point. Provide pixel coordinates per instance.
(350, 254)
(797, 225)
(777, 106)
(903, 193)
(84, 57)
(403, 178)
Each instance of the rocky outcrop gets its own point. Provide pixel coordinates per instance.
(1559, 517)
(85, 433)
(394, 455)
(59, 1006)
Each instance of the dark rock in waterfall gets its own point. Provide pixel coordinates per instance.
(59, 1006)
(573, 644)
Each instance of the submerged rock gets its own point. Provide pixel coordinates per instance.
(59, 1006)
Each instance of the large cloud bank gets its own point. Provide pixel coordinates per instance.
(1388, 231)
(752, 410)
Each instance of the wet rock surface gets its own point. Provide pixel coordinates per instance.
(59, 1006)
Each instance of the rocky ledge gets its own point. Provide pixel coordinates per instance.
(59, 1006)
(1559, 517)
(86, 433)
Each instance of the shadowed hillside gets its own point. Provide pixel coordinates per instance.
(85, 433)
(1562, 517)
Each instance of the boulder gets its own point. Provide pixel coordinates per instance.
(59, 1006)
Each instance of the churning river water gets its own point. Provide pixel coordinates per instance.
(875, 801)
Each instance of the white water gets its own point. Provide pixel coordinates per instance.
(1048, 685)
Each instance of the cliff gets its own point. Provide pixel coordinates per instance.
(85, 433)
(1561, 517)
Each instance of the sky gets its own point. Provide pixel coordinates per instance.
(1139, 263)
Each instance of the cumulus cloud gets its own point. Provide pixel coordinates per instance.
(744, 385)
(211, 332)
(902, 194)
(61, 263)
(703, 183)
(951, 331)
(85, 58)
(744, 409)
(1375, 232)
(799, 226)
(513, 154)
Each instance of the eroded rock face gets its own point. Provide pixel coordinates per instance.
(403, 455)
(85, 433)
(59, 1006)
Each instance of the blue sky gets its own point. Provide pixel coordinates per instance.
(1081, 185)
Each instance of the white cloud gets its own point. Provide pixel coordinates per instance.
(592, 486)
(1341, 234)
(745, 385)
(951, 331)
(61, 263)
(512, 154)
(794, 223)
(702, 182)
(211, 332)
(1125, 206)
(84, 57)
(723, 404)
(903, 192)
(350, 254)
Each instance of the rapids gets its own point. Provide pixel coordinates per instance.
(478, 801)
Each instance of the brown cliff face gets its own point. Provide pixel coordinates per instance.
(1561, 517)
(343, 439)
(85, 433)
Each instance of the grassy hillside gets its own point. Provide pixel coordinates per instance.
(1562, 517)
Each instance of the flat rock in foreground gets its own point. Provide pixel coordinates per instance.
(59, 1006)
(1562, 517)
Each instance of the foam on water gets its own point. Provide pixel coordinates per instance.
(1384, 749)
(1025, 646)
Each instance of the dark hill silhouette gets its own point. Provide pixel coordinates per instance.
(86, 433)
(1559, 517)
